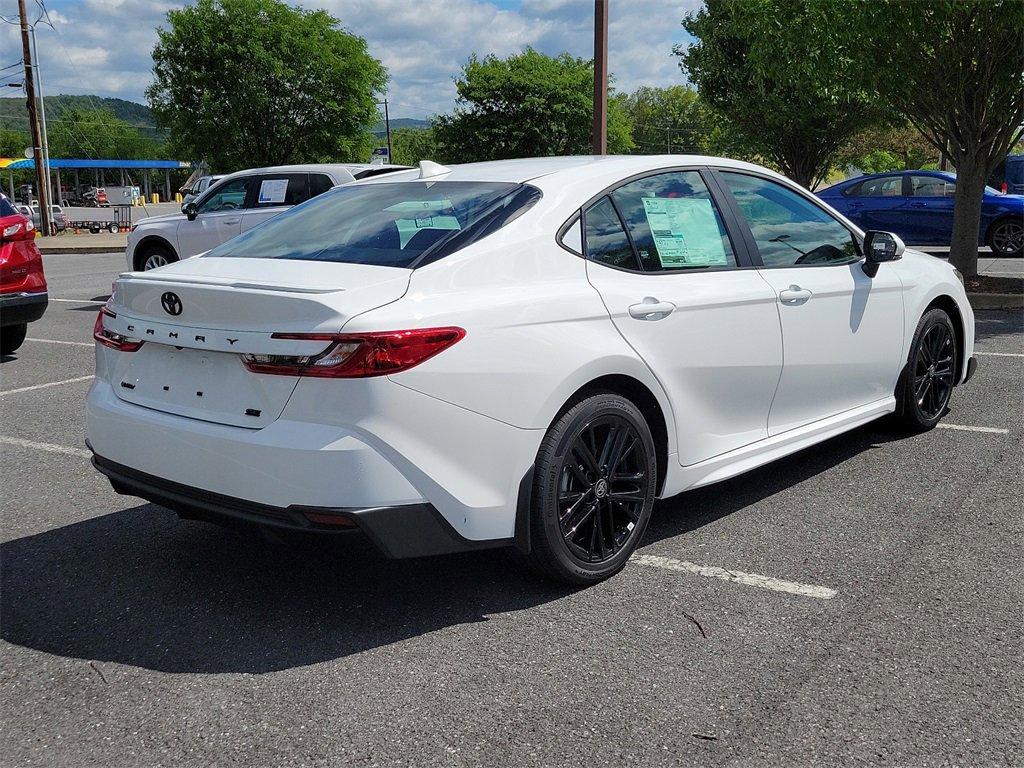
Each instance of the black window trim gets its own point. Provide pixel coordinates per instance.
(721, 201)
(858, 240)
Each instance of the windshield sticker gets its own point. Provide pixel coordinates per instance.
(685, 231)
(273, 191)
(407, 228)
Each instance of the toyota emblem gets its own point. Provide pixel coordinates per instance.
(171, 303)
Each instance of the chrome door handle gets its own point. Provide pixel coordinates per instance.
(794, 295)
(651, 309)
(230, 222)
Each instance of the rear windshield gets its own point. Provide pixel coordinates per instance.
(398, 224)
(6, 209)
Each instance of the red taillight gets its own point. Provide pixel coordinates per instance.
(19, 230)
(111, 338)
(1004, 187)
(358, 355)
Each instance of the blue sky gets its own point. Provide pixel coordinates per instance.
(102, 46)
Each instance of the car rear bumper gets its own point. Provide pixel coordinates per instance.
(406, 530)
(18, 308)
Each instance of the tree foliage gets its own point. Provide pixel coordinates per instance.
(675, 120)
(527, 105)
(410, 145)
(877, 150)
(13, 143)
(955, 69)
(777, 70)
(243, 83)
(81, 132)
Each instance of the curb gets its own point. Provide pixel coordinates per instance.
(47, 250)
(996, 300)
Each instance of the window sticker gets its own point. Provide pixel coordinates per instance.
(273, 191)
(407, 228)
(685, 232)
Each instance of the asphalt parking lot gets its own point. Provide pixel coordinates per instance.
(858, 603)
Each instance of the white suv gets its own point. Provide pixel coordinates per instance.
(234, 204)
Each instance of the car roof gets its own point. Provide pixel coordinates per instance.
(522, 170)
(341, 170)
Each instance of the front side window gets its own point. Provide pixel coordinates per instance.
(387, 224)
(789, 229)
(229, 196)
(674, 222)
(888, 186)
(932, 186)
(281, 189)
(605, 239)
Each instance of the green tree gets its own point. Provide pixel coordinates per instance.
(527, 105)
(98, 134)
(877, 150)
(777, 69)
(13, 143)
(410, 145)
(675, 120)
(243, 83)
(955, 69)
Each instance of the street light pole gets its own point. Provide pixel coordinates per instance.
(42, 183)
(42, 113)
(600, 130)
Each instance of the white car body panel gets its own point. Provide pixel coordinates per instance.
(740, 378)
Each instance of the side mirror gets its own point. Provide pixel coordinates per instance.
(880, 247)
(189, 209)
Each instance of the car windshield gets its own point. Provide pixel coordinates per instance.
(388, 224)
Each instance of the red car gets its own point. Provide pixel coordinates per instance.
(23, 295)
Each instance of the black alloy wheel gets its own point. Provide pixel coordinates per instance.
(933, 371)
(595, 480)
(601, 489)
(927, 382)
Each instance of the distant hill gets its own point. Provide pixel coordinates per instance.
(14, 115)
(401, 122)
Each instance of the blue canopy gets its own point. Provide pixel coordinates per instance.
(59, 162)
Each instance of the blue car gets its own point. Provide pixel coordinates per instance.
(918, 206)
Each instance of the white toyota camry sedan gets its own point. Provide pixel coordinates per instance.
(521, 353)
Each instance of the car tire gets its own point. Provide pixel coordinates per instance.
(113, 229)
(927, 381)
(12, 337)
(153, 256)
(1006, 237)
(589, 509)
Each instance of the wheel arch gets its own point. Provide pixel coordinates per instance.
(148, 242)
(643, 398)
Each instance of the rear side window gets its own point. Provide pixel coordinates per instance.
(789, 229)
(932, 186)
(281, 189)
(605, 237)
(388, 224)
(319, 183)
(890, 186)
(6, 209)
(674, 223)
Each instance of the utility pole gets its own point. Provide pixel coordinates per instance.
(600, 130)
(387, 129)
(42, 183)
(42, 115)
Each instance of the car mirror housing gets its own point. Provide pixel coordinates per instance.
(880, 247)
(189, 209)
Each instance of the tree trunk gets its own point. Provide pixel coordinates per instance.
(970, 187)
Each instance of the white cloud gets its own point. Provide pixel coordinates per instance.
(103, 46)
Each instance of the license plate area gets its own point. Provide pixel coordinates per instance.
(200, 384)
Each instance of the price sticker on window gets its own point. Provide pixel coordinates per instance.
(685, 232)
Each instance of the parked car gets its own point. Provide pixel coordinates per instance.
(201, 185)
(235, 204)
(23, 296)
(1008, 178)
(918, 206)
(58, 219)
(516, 353)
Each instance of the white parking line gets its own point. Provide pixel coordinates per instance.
(966, 428)
(51, 447)
(749, 579)
(999, 354)
(69, 343)
(43, 386)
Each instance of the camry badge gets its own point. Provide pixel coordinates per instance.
(171, 303)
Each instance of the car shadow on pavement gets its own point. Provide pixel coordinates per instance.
(141, 587)
(990, 324)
